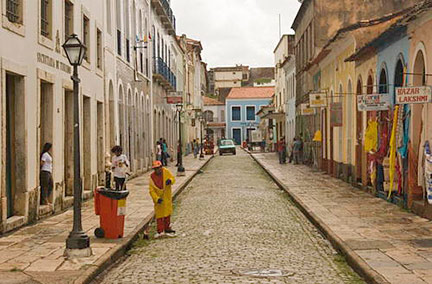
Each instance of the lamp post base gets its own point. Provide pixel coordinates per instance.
(181, 171)
(77, 253)
(77, 245)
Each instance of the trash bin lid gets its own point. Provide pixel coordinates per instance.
(114, 194)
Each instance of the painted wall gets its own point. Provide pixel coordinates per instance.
(243, 124)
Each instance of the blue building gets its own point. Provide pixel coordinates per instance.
(242, 104)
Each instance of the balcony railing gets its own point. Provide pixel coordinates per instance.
(164, 9)
(162, 69)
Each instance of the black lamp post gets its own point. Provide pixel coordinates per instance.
(201, 156)
(77, 243)
(180, 168)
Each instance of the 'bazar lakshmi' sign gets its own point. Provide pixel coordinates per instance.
(414, 95)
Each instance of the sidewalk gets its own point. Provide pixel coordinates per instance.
(382, 242)
(34, 254)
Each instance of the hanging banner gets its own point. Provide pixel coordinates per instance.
(413, 95)
(317, 100)
(336, 115)
(306, 109)
(373, 102)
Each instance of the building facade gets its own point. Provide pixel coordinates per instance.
(242, 105)
(214, 113)
(133, 62)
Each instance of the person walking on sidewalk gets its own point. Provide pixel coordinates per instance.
(45, 176)
(297, 148)
(161, 181)
(165, 155)
(158, 151)
(282, 150)
(195, 148)
(120, 167)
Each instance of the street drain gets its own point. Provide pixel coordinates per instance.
(264, 273)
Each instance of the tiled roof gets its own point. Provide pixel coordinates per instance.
(211, 102)
(251, 93)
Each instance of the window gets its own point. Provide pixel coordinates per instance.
(236, 115)
(222, 116)
(46, 18)
(118, 20)
(14, 11)
(86, 37)
(68, 19)
(250, 113)
(99, 49)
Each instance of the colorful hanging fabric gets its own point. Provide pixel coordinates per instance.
(371, 137)
(403, 151)
(428, 171)
(393, 150)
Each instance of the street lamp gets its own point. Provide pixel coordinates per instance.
(201, 118)
(77, 243)
(180, 169)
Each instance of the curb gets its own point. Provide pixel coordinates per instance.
(356, 263)
(111, 257)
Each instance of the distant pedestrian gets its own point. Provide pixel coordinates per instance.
(161, 181)
(297, 148)
(165, 154)
(158, 151)
(45, 176)
(120, 167)
(282, 150)
(195, 148)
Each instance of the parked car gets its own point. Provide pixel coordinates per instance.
(227, 146)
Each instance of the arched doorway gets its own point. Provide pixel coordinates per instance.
(419, 79)
(359, 130)
(121, 115)
(111, 109)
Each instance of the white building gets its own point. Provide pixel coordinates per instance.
(214, 112)
(132, 64)
(37, 103)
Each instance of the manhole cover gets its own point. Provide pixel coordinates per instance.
(265, 273)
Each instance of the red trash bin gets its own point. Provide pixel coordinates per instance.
(110, 205)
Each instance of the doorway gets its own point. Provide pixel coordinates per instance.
(237, 136)
(15, 152)
(68, 143)
(100, 143)
(87, 142)
(46, 118)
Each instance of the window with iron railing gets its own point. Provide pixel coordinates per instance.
(45, 18)
(99, 49)
(86, 37)
(119, 43)
(128, 50)
(13, 10)
(68, 19)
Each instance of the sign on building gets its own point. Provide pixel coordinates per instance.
(336, 115)
(373, 102)
(317, 100)
(414, 95)
(256, 136)
(174, 100)
(305, 109)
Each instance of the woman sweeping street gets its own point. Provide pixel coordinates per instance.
(160, 184)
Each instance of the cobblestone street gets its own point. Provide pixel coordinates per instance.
(232, 219)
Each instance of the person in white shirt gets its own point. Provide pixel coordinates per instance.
(45, 176)
(120, 167)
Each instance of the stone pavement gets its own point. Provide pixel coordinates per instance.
(230, 220)
(381, 241)
(34, 254)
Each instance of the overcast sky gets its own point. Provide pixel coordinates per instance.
(235, 31)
